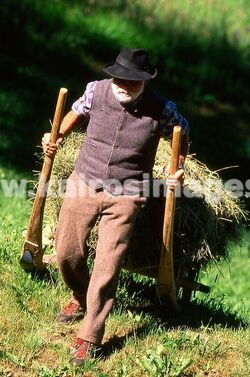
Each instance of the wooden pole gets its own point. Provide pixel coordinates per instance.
(33, 239)
(166, 278)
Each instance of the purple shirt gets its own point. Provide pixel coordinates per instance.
(170, 114)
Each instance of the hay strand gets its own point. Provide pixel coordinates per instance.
(204, 223)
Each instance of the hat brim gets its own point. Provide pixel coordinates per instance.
(117, 70)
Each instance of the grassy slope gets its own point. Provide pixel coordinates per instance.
(199, 47)
(230, 281)
(208, 338)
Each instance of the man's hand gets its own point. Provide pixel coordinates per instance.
(50, 148)
(176, 179)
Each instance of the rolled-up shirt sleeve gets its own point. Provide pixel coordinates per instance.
(83, 105)
(170, 118)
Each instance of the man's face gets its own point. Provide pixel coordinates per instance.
(127, 90)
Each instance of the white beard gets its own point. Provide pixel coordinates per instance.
(123, 96)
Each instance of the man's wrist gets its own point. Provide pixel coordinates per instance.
(61, 134)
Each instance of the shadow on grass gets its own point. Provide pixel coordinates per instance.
(209, 312)
(49, 275)
(194, 316)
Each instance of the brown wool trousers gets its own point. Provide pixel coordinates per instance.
(81, 207)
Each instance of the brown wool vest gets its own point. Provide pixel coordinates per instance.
(121, 140)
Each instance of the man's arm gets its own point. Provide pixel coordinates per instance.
(178, 178)
(70, 121)
(170, 118)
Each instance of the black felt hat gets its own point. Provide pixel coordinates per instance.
(131, 64)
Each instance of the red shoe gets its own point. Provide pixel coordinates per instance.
(81, 351)
(71, 312)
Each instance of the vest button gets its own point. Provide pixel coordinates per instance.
(116, 146)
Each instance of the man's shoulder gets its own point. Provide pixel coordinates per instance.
(153, 100)
(98, 86)
(103, 82)
(91, 85)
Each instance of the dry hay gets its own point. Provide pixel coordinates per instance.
(204, 224)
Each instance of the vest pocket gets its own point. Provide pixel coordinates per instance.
(91, 143)
(105, 111)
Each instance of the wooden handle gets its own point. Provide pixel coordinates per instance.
(33, 241)
(58, 114)
(48, 161)
(176, 148)
(170, 200)
(166, 277)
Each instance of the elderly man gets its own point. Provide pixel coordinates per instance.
(126, 121)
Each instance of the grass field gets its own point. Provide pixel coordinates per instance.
(210, 337)
(201, 49)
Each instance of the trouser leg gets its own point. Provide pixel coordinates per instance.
(77, 216)
(115, 229)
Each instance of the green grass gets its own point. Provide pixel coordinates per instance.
(200, 48)
(209, 337)
(230, 281)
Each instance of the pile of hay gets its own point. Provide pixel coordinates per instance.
(204, 223)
